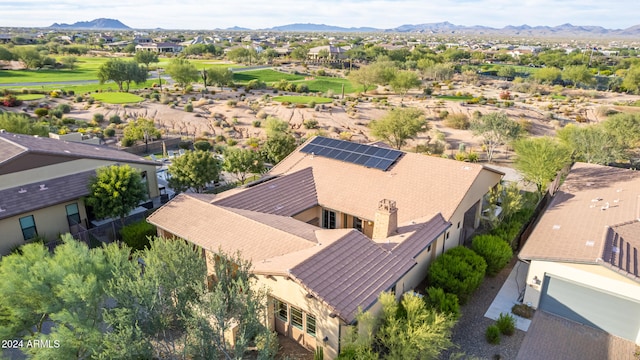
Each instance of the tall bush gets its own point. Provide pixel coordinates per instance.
(443, 302)
(494, 250)
(137, 235)
(458, 271)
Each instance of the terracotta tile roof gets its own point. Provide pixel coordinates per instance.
(213, 227)
(421, 238)
(15, 145)
(574, 226)
(351, 273)
(621, 248)
(285, 195)
(421, 185)
(30, 197)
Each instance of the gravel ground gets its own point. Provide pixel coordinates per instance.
(468, 334)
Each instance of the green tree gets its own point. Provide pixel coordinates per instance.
(69, 62)
(540, 159)
(122, 73)
(591, 144)
(219, 76)
(366, 76)
(299, 53)
(506, 72)
(405, 81)
(274, 126)
(182, 72)
(115, 191)
(625, 128)
(547, 75)
(412, 330)
(399, 125)
(242, 55)
(141, 129)
(146, 57)
(631, 81)
(579, 75)
(193, 170)
(29, 56)
(496, 129)
(278, 146)
(22, 124)
(6, 54)
(242, 162)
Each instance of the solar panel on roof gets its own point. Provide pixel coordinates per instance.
(365, 155)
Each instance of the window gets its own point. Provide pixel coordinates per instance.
(296, 317)
(73, 215)
(311, 325)
(357, 223)
(28, 226)
(328, 219)
(281, 308)
(429, 248)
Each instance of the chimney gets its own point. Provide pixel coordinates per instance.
(386, 220)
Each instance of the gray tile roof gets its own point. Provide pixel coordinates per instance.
(351, 273)
(284, 195)
(14, 145)
(621, 248)
(22, 199)
(419, 240)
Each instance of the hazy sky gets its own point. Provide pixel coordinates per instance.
(256, 14)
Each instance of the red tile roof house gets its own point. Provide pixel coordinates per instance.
(43, 182)
(327, 236)
(583, 252)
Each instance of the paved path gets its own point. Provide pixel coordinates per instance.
(509, 295)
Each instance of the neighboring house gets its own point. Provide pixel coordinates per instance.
(333, 52)
(164, 47)
(583, 252)
(332, 226)
(43, 181)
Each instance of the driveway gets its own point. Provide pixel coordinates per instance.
(552, 337)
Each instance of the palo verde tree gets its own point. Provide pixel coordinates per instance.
(140, 129)
(123, 73)
(219, 76)
(182, 71)
(496, 129)
(592, 144)
(540, 159)
(115, 191)
(404, 81)
(399, 125)
(366, 76)
(146, 57)
(193, 171)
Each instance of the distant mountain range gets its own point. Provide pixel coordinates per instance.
(565, 30)
(97, 24)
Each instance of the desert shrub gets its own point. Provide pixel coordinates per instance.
(253, 142)
(115, 119)
(57, 113)
(109, 132)
(232, 103)
(443, 114)
(256, 84)
(522, 310)
(256, 123)
(311, 124)
(302, 88)
(126, 142)
(188, 107)
(185, 145)
(136, 235)
(494, 250)
(505, 95)
(507, 230)
(66, 121)
(461, 156)
(507, 324)
(458, 271)
(97, 117)
(443, 302)
(457, 121)
(220, 138)
(41, 112)
(492, 335)
(202, 145)
(473, 156)
(65, 108)
(232, 142)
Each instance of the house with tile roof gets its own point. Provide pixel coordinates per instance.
(583, 253)
(43, 182)
(332, 226)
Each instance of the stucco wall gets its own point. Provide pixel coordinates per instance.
(595, 276)
(50, 222)
(292, 293)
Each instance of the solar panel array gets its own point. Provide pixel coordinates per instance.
(365, 155)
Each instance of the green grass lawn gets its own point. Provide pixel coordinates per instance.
(302, 99)
(266, 75)
(27, 97)
(322, 84)
(117, 97)
(558, 97)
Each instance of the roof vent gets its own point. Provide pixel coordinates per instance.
(22, 191)
(36, 136)
(43, 187)
(3, 131)
(2, 209)
(67, 151)
(556, 227)
(466, 168)
(590, 243)
(596, 199)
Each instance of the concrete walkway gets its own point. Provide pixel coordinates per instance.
(509, 294)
